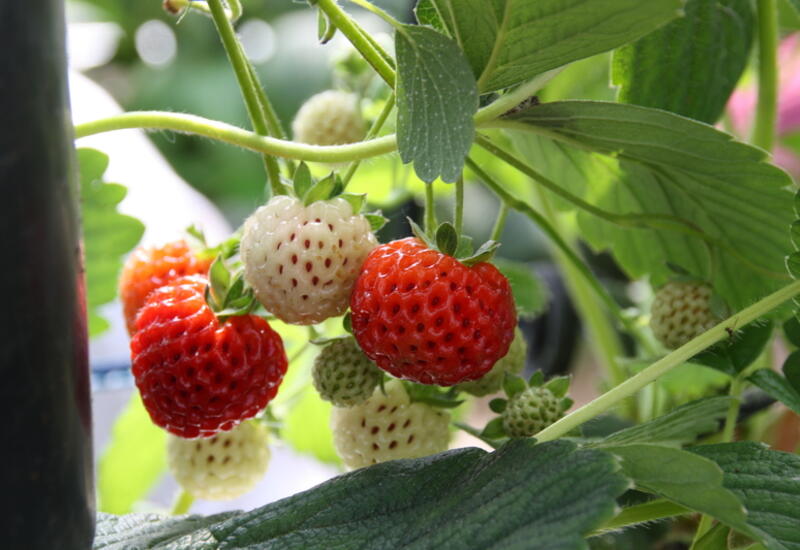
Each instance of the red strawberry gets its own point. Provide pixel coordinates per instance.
(198, 376)
(424, 316)
(148, 268)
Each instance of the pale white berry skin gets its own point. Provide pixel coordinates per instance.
(388, 427)
(343, 375)
(222, 467)
(680, 312)
(513, 363)
(302, 261)
(331, 117)
(531, 411)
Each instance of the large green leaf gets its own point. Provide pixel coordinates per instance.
(768, 484)
(739, 351)
(134, 460)
(668, 165)
(436, 99)
(681, 425)
(519, 497)
(692, 65)
(778, 387)
(680, 477)
(107, 234)
(510, 41)
(530, 293)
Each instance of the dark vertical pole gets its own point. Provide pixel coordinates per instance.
(46, 493)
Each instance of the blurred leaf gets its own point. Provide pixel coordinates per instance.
(370, 508)
(107, 234)
(715, 538)
(306, 427)
(436, 99)
(678, 476)
(682, 425)
(736, 353)
(691, 65)
(446, 238)
(778, 387)
(768, 484)
(791, 328)
(426, 14)
(668, 165)
(508, 42)
(530, 294)
(791, 369)
(134, 460)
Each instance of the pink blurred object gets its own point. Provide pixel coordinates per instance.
(742, 104)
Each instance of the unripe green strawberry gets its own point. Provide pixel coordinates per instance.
(331, 117)
(303, 260)
(388, 427)
(222, 467)
(531, 411)
(681, 311)
(512, 362)
(343, 375)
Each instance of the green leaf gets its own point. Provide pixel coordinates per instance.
(778, 387)
(513, 384)
(376, 220)
(558, 386)
(432, 395)
(530, 294)
(791, 369)
(420, 234)
(508, 41)
(791, 328)
(329, 186)
(737, 352)
(446, 238)
(484, 253)
(494, 429)
(715, 538)
(107, 234)
(134, 460)
(426, 14)
(692, 65)
(465, 247)
(681, 425)
(306, 426)
(436, 99)
(220, 279)
(514, 498)
(356, 201)
(537, 379)
(302, 180)
(768, 484)
(661, 164)
(498, 405)
(678, 476)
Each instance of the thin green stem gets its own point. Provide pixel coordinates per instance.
(767, 107)
(558, 240)
(373, 131)
(612, 397)
(182, 504)
(458, 209)
(338, 17)
(736, 389)
(383, 14)
(642, 513)
(220, 131)
(274, 126)
(176, 6)
(500, 222)
(506, 102)
(430, 210)
(248, 86)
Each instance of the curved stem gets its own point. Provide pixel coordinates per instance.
(191, 124)
(669, 362)
(182, 504)
(767, 107)
(383, 14)
(500, 222)
(373, 131)
(458, 211)
(365, 46)
(247, 85)
(506, 102)
(274, 126)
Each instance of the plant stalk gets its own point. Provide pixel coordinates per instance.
(500, 222)
(430, 211)
(371, 133)
(767, 107)
(182, 504)
(458, 211)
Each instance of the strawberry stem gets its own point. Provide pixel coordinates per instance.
(767, 107)
(373, 131)
(430, 210)
(458, 213)
(182, 504)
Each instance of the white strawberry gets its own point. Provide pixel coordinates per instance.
(222, 467)
(388, 427)
(331, 117)
(302, 261)
(681, 311)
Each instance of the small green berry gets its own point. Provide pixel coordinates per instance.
(680, 312)
(531, 411)
(331, 117)
(343, 375)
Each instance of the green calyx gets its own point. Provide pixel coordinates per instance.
(447, 241)
(227, 294)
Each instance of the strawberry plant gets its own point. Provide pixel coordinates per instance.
(313, 325)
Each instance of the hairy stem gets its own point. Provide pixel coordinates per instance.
(248, 86)
(430, 210)
(642, 513)
(458, 211)
(373, 131)
(506, 102)
(500, 222)
(364, 45)
(767, 107)
(612, 397)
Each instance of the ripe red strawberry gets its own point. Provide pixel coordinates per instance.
(148, 268)
(198, 376)
(424, 316)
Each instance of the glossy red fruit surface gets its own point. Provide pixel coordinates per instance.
(198, 376)
(148, 268)
(424, 316)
